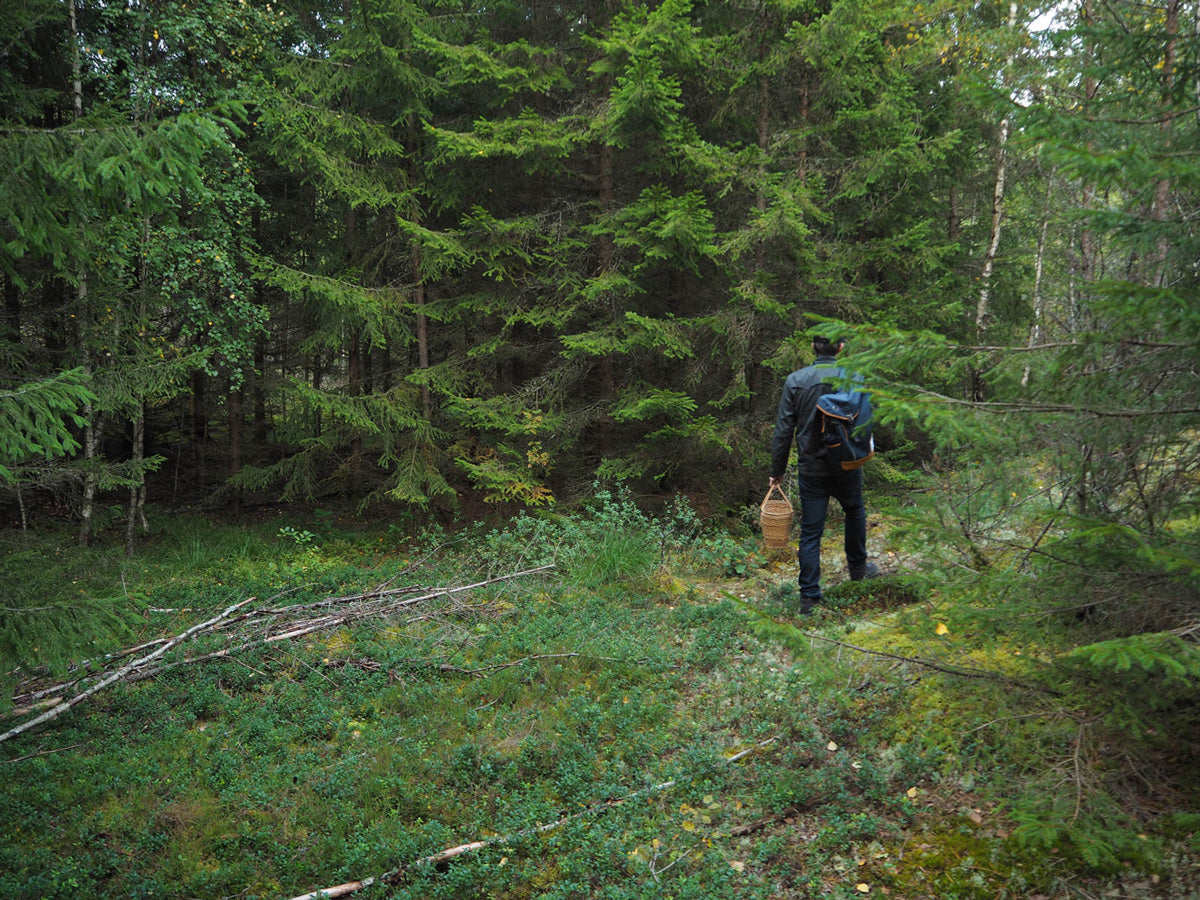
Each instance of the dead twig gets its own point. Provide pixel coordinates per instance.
(760, 824)
(42, 753)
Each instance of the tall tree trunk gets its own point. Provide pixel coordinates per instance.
(354, 379)
(1196, 36)
(1089, 251)
(752, 367)
(422, 328)
(260, 347)
(385, 365)
(237, 426)
(1039, 301)
(419, 286)
(12, 311)
(764, 134)
(608, 254)
(260, 397)
(1162, 190)
(198, 425)
(137, 493)
(318, 375)
(91, 431)
(802, 166)
(953, 215)
(982, 306)
(606, 257)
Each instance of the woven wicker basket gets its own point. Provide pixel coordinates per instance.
(775, 517)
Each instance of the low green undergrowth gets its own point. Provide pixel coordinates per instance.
(614, 727)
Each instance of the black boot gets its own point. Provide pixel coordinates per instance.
(867, 570)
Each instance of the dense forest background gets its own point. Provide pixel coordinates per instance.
(422, 260)
(422, 254)
(411, 252)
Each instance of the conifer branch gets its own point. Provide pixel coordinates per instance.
(1061, 345)
(1020, 407)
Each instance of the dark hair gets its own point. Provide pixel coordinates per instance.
(824, 346)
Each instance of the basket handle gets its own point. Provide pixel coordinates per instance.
(770, 490)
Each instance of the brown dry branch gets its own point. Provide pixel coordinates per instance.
(397, 875)
(367, 605)
(790, 813)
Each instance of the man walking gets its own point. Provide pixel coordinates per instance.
(818, 481)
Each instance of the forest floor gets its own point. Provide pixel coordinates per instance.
(442, 717)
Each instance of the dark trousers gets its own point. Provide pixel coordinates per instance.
(815, 491)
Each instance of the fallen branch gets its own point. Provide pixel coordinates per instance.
(63, 687)
(395, 875)
(368, 604)
(61, 708)
(760, 824)
(228, 652)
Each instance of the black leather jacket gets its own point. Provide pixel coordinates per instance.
(796, 409)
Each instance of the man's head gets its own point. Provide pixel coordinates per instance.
(823, 346)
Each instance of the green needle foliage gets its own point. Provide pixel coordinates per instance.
(35, 420)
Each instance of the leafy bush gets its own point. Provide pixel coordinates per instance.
(611, 539)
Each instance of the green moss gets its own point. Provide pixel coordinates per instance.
(963, 863)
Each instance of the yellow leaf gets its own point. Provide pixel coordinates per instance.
(941, 628)
(688, 826)
(912, 792)
(737, 865)
(831, 746)
(863, 888)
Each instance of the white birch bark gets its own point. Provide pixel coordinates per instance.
(982, 306)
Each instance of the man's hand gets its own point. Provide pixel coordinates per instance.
(775, 482)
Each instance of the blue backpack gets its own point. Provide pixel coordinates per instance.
(842, 427)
